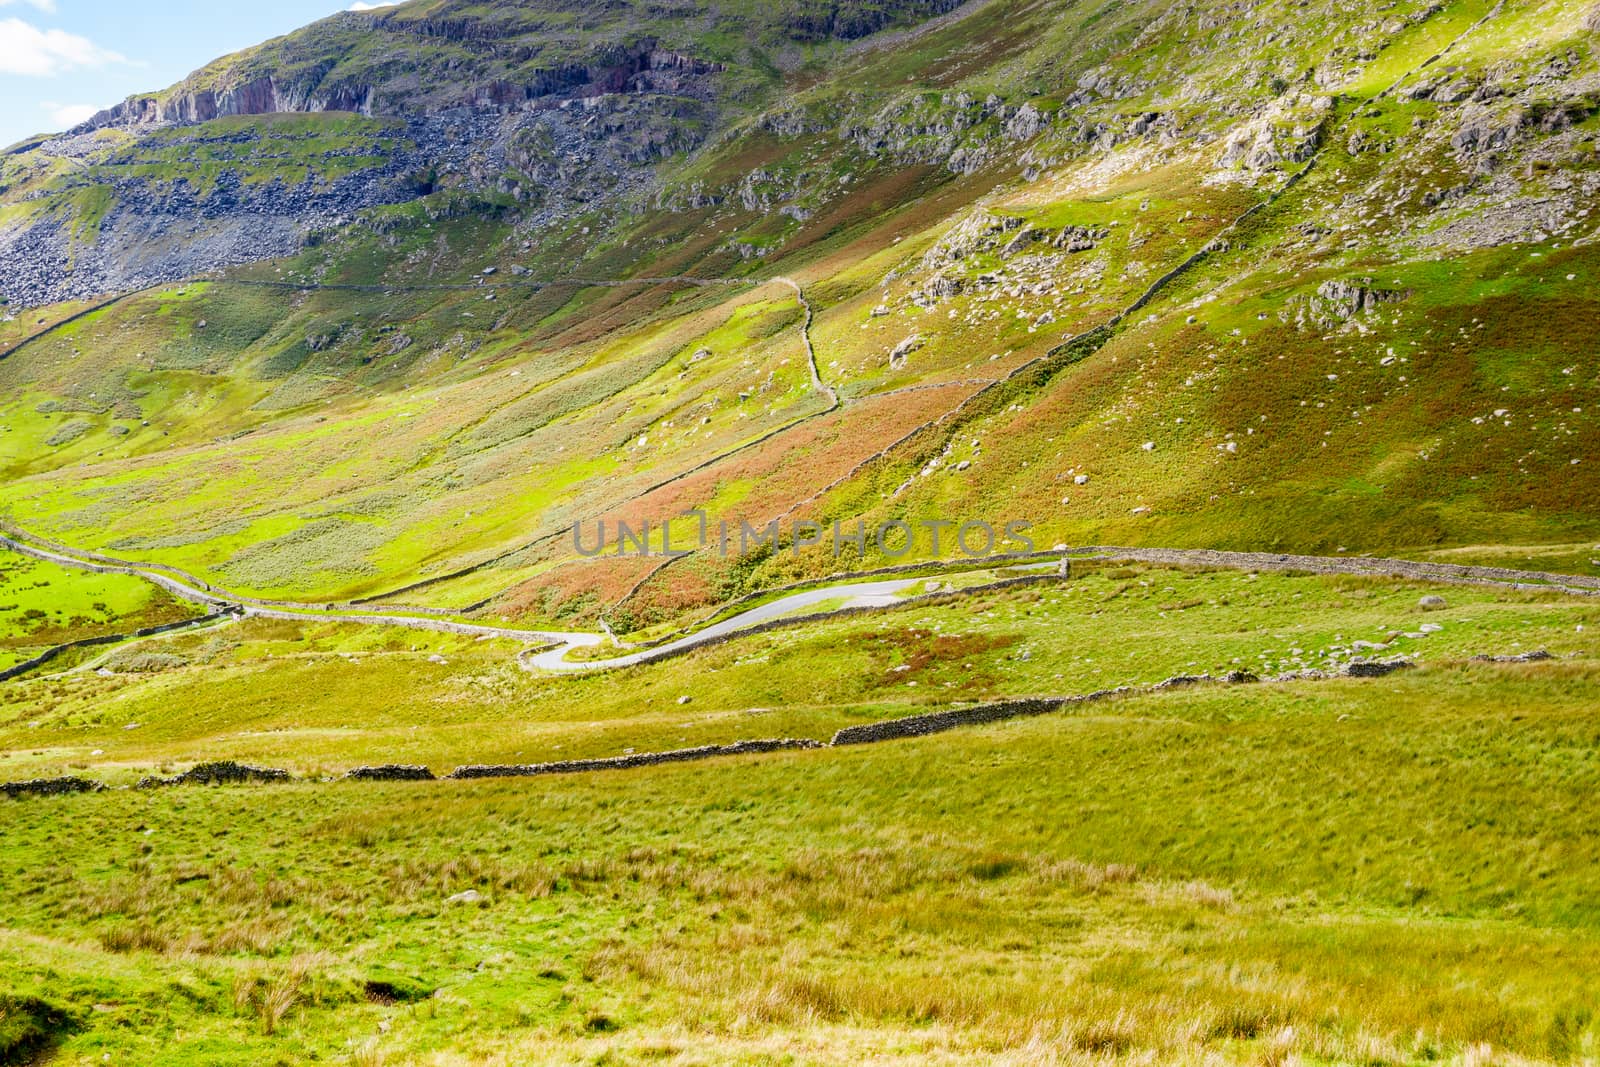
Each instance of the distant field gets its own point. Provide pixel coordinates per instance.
(322, 697)
(43, 604)
(1141, 274)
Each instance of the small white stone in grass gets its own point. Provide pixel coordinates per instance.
(1149, 446)
(684, 699)
(1572, 277)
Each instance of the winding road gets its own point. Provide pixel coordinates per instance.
(856, 594)
(858, 591)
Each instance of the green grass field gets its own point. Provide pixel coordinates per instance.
(1385, 349)
(322, 697)
(44, 604)
(1381, 872)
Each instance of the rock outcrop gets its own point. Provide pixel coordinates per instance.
(1339, 300)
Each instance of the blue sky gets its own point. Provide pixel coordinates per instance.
(62, 60)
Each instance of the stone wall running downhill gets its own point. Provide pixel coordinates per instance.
(642, 759)
(49, 654)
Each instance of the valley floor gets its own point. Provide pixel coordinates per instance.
(1346, 870)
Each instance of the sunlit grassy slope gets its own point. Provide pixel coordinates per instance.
(1354, 871)
(1387, 347)
(349, 442)
(1376, 870)
(42, 604)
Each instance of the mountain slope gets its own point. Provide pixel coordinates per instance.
(1295, 276)
(548, 104)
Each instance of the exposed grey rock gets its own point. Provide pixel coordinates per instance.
(1339, 300)
(898, 355)
(1079, 238)
(1026, 123)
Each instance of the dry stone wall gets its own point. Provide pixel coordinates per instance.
(229, 772)
(642, 759)
(46, 656)
(50, 787)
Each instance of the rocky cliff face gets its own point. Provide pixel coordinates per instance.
(183, 194)
(562, 108)
(641, 67)
(262, 96)
(553, 104)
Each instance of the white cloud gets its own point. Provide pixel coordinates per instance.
(25, 49)
(361, 5)
(47, 6)
(66, 116)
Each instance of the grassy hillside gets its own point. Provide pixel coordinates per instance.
(1382, 872)
(1289, 278)
(1386, 356)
